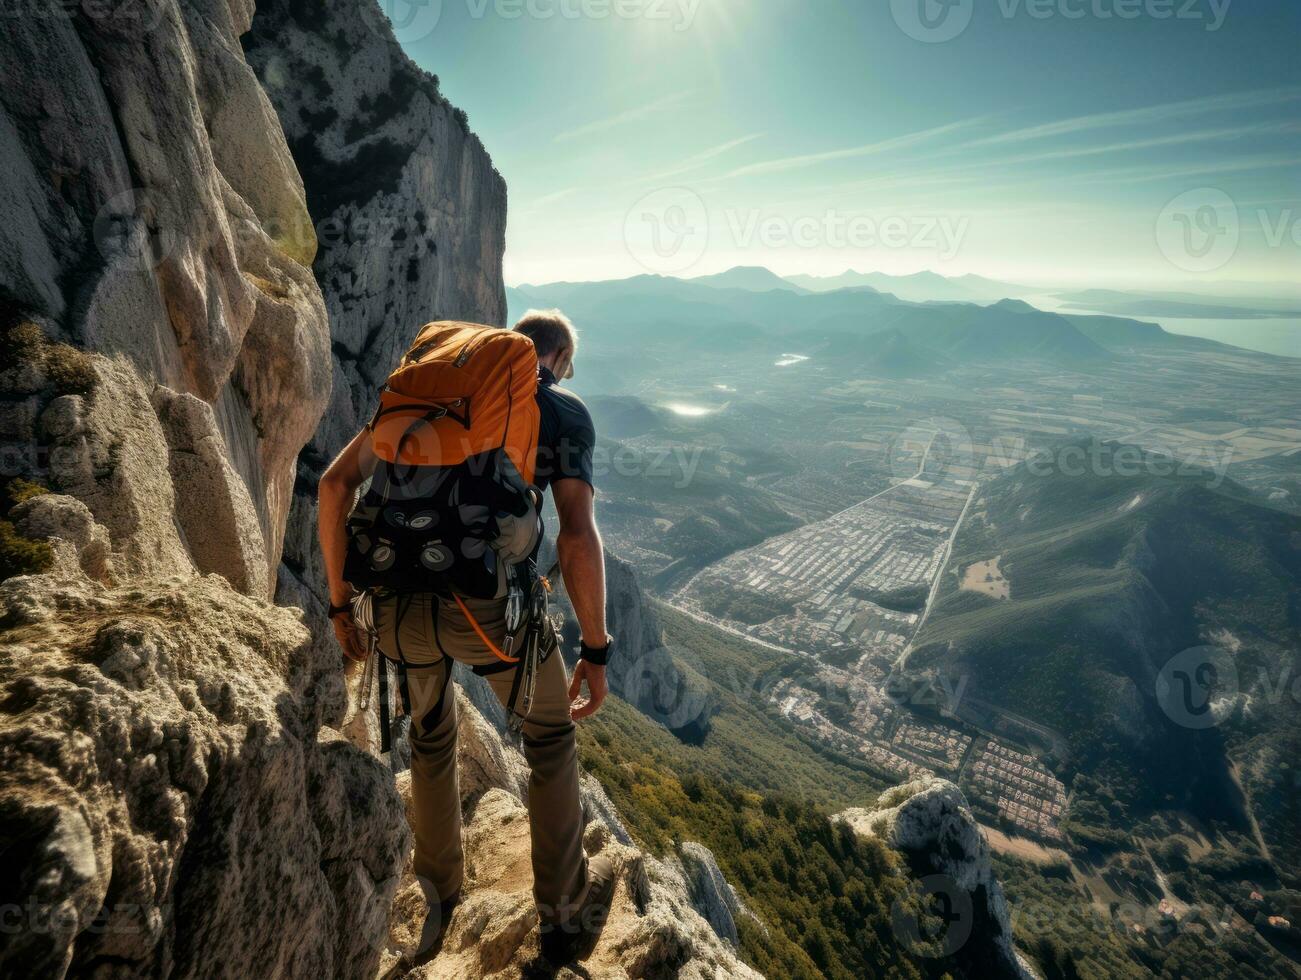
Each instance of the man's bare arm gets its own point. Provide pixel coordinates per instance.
(335, 497)
(582, 562)
(582, 557)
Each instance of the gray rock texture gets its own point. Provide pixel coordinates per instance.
(168, 804)
(711, 894)
(410, 213)
(645, 671)
(153, 214)
(930, 822)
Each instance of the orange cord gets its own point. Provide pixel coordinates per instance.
(482, 635)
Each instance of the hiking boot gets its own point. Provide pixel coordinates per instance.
(432, 934)
(574, 940)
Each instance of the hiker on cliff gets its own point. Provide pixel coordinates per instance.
(436, 557)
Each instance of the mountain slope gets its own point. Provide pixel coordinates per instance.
(752, 277)
(1110, 577)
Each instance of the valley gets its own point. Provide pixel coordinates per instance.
(862, 514)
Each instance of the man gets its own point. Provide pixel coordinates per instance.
(428, 632)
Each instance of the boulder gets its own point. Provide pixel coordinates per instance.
(170, 805)
(930, 822)
(79, 544)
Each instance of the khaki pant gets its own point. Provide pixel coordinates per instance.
(429, 634)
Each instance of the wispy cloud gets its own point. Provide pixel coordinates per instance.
(1134, 175)
(700, 159)
(869, 149)
(620, 118)
(1193, 136)
(537, 204)
(1145, 115)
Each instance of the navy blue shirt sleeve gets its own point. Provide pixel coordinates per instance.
(567, 438)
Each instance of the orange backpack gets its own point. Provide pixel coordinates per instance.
(451, 507)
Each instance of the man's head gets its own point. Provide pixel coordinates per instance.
(554, 338)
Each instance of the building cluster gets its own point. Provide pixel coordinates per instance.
(940, 745)
(1015, 787)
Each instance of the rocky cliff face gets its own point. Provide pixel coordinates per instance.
(410, 214)
(167, 803)
(153, 214)
(929, 821)
(646, 673)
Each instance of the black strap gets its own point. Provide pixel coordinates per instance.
(598, 656)
(384, 738)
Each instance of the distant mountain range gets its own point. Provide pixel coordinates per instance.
(751, 309)
(920, 287)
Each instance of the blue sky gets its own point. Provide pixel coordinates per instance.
(1098, 141)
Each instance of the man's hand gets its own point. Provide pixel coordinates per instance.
(597, 689)
(350, 638)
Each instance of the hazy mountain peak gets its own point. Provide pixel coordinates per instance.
(756, 278)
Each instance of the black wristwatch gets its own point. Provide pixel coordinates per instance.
(597, 656)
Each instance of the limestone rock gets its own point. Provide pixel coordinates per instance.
(644, 671)
(79, 544)
(930, 822)
(175, 810)
(213, 507)
(153, 215)
(410, 213)
(711, 894)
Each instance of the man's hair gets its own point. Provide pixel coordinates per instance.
(550, 331)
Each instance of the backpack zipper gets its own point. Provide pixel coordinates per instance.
(468, 350)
